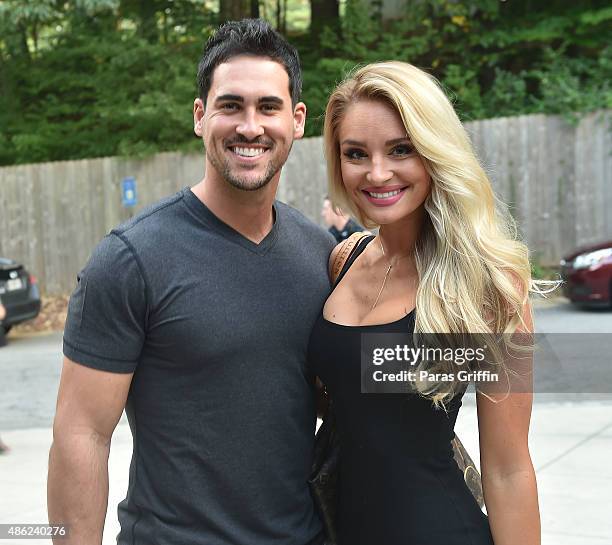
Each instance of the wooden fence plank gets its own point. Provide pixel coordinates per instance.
(555, 177)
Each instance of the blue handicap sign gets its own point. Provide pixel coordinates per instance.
(128, 192)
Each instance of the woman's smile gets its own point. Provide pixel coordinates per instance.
(384, 196)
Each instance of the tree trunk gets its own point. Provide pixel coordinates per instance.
(323, 13)
(255, 9)
(234, 10)
(283, 29)
(148, 21)
(35, 37)
(22, 42)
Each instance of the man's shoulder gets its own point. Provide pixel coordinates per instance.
(298, 221)
(150, 217)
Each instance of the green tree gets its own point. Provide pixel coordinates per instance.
(89, 78)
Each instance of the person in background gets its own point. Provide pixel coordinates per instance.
(338, 224)
(2, 316)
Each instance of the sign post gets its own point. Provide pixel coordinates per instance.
(128, 192)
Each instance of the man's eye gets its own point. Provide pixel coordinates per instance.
(229, 106)
(402, 150)
(269, 107)
(354, 154)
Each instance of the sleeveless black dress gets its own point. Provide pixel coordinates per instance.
(399, 483)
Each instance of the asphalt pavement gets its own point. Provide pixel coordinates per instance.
(570, 437)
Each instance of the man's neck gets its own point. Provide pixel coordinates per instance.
(248, 212)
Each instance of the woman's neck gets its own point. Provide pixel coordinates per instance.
(399, 238)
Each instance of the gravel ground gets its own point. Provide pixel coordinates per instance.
(52, 317)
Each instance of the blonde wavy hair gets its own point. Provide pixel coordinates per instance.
(474, 273)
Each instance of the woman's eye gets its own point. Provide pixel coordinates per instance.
(402, 150)
(354, 154)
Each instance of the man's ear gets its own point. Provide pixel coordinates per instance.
(198, 117)
(299, 120)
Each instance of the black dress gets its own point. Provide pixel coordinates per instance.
(399, 483)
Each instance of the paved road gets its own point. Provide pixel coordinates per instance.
(560, 316)
(29, 376)
(30, 366)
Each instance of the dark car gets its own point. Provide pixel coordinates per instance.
(18, 293)
(587, 273)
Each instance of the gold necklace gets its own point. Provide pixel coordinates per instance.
(389, 267)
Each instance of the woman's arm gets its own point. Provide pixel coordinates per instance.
(322, 401)
(508, 477)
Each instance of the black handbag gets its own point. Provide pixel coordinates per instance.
(324, 475)
(471, 475)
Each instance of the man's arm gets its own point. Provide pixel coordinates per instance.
(89, 405)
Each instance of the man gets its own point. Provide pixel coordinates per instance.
(195, 316)
(339, 226)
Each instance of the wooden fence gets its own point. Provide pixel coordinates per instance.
(555, 176)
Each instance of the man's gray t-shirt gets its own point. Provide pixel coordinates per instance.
(222, 405)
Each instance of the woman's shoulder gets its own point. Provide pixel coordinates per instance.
(343, 250)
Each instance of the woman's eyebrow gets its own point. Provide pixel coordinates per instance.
(387, 143)
(397, 141)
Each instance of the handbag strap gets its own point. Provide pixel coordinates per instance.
(346, 249)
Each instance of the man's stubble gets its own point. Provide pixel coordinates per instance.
(243, 183)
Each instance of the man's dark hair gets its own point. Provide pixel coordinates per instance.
(249, 37)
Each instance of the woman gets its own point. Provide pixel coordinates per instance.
(444, 261)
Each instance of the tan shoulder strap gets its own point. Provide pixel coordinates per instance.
(345, 251)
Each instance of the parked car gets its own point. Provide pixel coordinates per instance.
(18, 292)
(587, 273)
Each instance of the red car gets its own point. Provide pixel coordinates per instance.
(587, 273)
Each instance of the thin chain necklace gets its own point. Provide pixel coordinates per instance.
(389, 267)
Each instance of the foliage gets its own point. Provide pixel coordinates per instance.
(543, 272)
(87, 78)
(494, 59)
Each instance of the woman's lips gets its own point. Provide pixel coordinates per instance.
(383, 196)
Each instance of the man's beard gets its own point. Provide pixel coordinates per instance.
(242, 182)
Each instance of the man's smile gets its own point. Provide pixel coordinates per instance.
(247, 151)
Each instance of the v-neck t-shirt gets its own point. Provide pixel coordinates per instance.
(215, 329)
